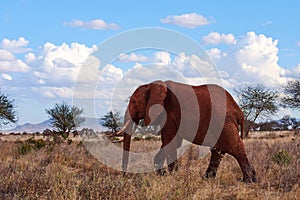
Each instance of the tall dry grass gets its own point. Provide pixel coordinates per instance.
(68, 171)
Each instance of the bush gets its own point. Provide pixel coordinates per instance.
(138, 138)
(148, 137)
(64, 135)
(282, 158)
(69, 141)
(24, 148)
(31, 143)
(36, 144)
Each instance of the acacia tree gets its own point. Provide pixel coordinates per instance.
(257, 102)
(112, 120)
(7, 110)
(65, 118)
(292, 94)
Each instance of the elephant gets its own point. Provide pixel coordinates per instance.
(158, 103)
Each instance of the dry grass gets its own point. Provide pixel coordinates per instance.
(69, 172)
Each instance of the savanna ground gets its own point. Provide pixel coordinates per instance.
(67, 171)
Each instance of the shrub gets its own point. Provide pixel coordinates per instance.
(282, 158)
(69, 141)
(47, 132)
(36, 144)
(137, 138)
(149, 137)
(57, 139)
(24, 148)
(64, 135)
(30, 144)
(40, 143)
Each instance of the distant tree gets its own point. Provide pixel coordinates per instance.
(268, 125)
(292, 94)
(112, 120)
(288, 122)
(65, 118)
(7, 110)
(257, 102)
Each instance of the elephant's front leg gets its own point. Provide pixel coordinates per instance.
(160, 157)
(159, 160)
(170, 151)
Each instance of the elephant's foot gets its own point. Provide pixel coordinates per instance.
(249, 180)
(161, 172)
(250, 177)
(210, 174)
(173, 166)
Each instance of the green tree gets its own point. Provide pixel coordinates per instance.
(291, 98)
(65, 118)
(257, 102)
(112, 120)
(7, 110)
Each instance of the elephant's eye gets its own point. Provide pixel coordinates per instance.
(133, 101)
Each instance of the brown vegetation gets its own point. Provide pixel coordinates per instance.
(68, 171)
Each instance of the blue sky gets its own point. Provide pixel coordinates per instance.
(43, 43)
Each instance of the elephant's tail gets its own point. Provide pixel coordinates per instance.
(241, 122)
(242, 129)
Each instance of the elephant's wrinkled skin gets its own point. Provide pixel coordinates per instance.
(163, 94)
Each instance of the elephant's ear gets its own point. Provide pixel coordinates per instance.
(155, 106)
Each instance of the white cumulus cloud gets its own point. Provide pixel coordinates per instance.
(49, 71)
(15, 46)
(217, 38)
(59, 64)
(6, 77)
(252, 59)
(258, 57)
(215, 53)
(111, 73)
(54, 92)
(190, 20)
(132, 57)
(96, 24)
(162, 57)
(9, 62)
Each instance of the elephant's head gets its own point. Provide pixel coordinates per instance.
(147, 102)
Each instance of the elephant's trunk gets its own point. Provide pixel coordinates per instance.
(127, 130)
(126, 149)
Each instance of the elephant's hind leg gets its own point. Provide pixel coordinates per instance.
(215, 159)
(230, 142)
(239, 153)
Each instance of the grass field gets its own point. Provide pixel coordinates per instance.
(68, 171)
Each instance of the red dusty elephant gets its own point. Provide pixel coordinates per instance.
(204, 115)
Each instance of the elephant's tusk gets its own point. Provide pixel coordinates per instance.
(120, 132)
